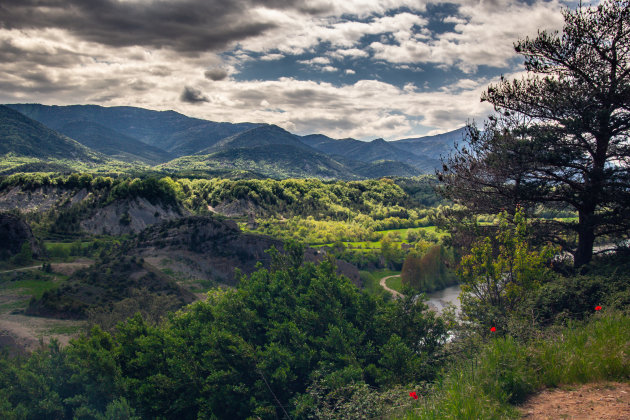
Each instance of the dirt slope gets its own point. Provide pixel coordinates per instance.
(606, 401)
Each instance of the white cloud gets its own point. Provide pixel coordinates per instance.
(297, 34)
(348, 53)
(483, 35)
(272, 57)
(316, 61)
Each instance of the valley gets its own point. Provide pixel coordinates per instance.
(318, 265)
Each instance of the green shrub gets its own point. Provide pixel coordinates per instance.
(498, 275)
(505, 370)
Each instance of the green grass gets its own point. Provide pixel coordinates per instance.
(28, 283)
(34, 288)
(16, 304)
(394, 283)
(371, 281)
(372, 245)
(505, 372)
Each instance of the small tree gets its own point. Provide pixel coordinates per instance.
(25, 256)
(427, 273)
(561, 137)
(498, 275)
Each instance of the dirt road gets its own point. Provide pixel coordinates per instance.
(392, 291)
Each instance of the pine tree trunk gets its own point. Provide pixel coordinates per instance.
(586, 238)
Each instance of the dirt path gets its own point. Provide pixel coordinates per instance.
(61, 268)
(392, 291)
(33, 267)
(604, 401)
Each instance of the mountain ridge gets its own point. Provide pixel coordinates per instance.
(168, 140)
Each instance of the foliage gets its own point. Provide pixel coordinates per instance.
(250, 351)
(561, 136)
(499, 275)
(114, 288)
(354, 401)
(25, 256)
(505, 370)
(605, 281)
(428, 272)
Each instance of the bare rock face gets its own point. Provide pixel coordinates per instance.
(13, 233)
(128, 216)
(40, 199)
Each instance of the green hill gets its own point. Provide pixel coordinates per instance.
(24, 137)
(169, 131)
(114, 144)
(264, 135)
(274, 160)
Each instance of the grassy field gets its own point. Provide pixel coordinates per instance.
(394, 283)
(504, 372)
(28, 283)
(17, 288)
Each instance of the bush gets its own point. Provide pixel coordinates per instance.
(499, 275)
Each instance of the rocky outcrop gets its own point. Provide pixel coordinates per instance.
(122, 216)
(39, 199)
(236, 208)
(128, 216)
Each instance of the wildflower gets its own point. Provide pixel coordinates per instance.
(598, 308)
(413, 395)
(493, 329)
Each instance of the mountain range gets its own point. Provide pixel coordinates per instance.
(171, 142)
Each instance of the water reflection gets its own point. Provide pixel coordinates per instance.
(438, 300)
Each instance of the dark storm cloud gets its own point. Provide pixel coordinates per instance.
(186, 26)
(193, 96)
(216, 74)
(58, 57)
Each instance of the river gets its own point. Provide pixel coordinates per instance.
(440, 298)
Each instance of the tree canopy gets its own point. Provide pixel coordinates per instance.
(560, 136)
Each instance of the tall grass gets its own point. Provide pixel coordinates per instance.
(505, 372)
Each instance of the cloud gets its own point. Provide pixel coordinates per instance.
(272, 57)
(483, 34)
(193, 96)
(181, 25)
(216, 74)
(316, 61)
(296, 34)
(168, 54)
(348, 53)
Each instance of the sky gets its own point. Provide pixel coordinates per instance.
(348, 68)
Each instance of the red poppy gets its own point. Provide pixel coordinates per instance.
(493, 329)
(598, 308)
(413, 395)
